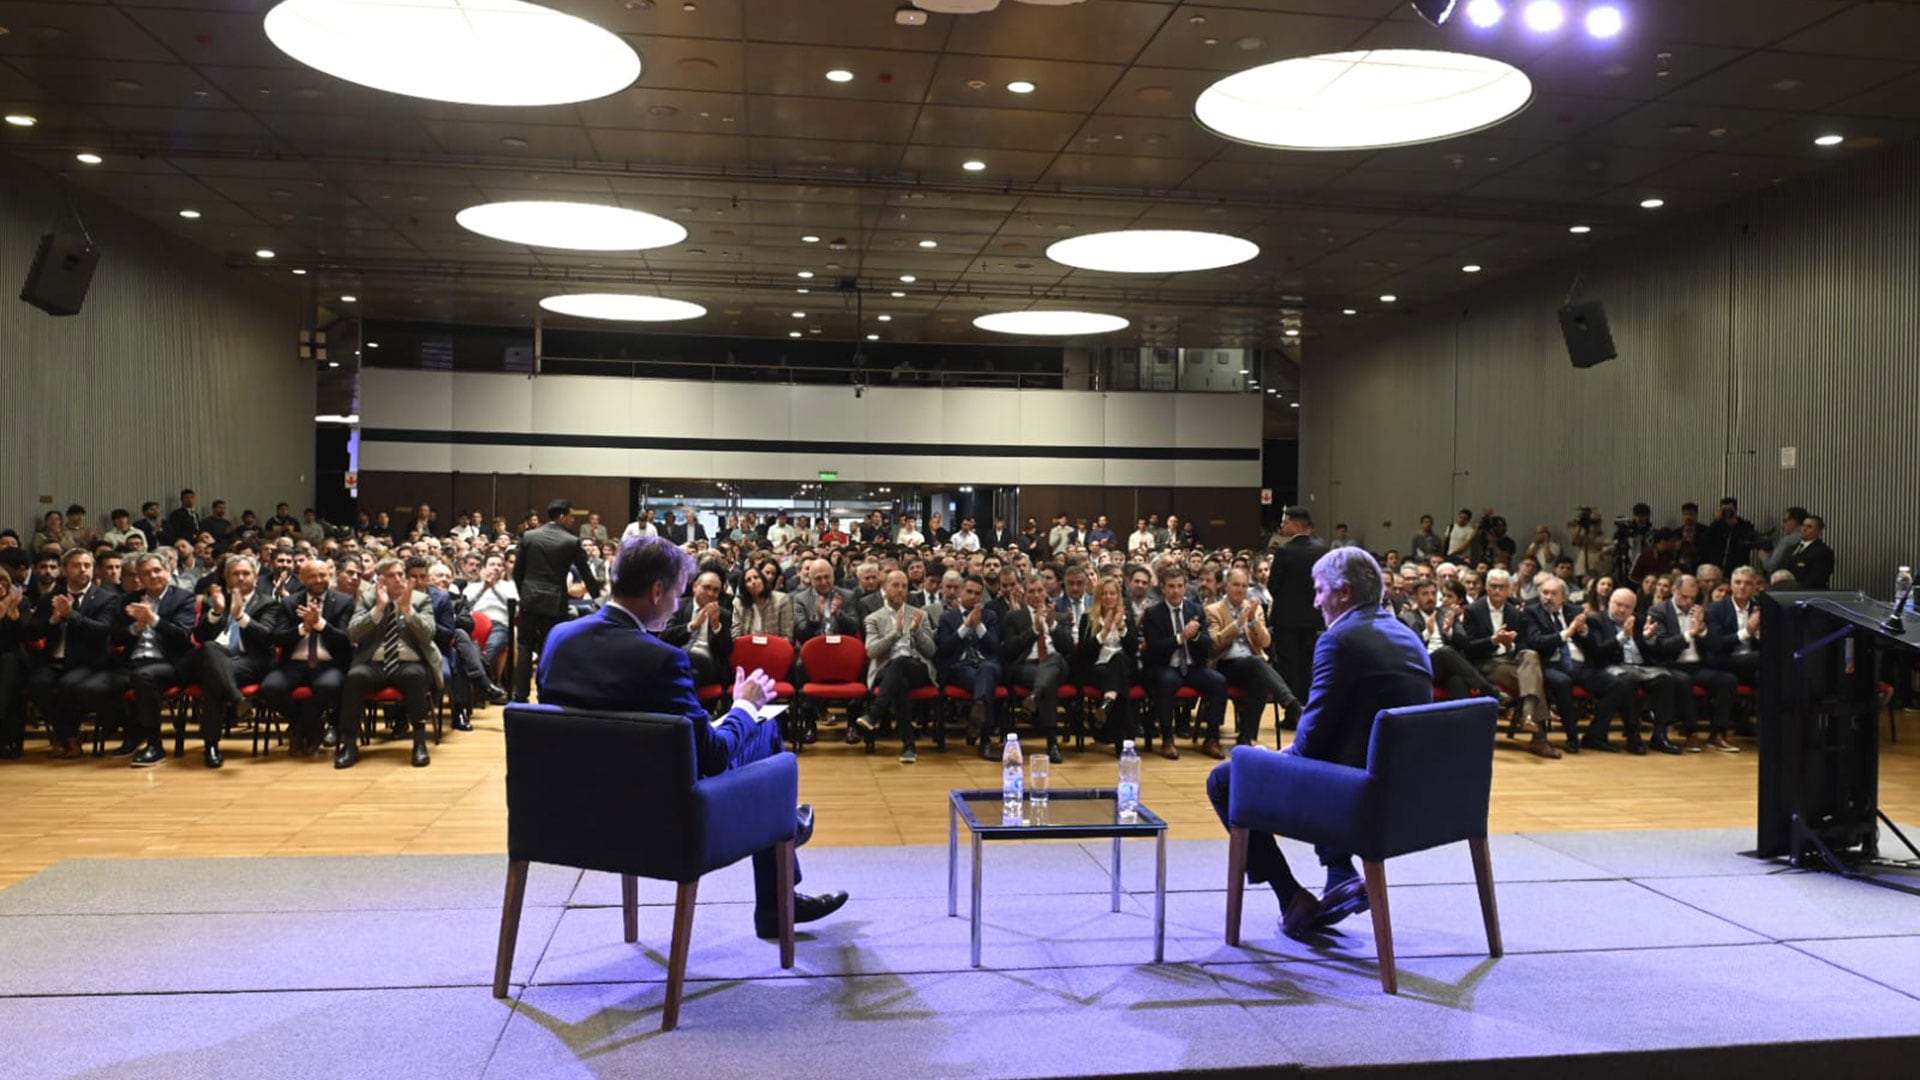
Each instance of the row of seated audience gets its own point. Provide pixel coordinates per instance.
(104, 624)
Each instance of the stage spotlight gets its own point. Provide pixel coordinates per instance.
(1544, 16)
(1486, 14)
(1605, 21)
(1436, 12)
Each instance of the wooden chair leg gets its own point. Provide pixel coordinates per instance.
(677, 955)
(509, 925)
(1236, 881)
(630, 905)
(1489, 909)
(1382, 924)
(783, 855)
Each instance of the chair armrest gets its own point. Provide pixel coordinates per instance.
(1307, 799)
(744, 810)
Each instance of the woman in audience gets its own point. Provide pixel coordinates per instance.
(759, 608)
(53, 530)
(1108, 641)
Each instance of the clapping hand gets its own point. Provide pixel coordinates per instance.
(311, 614)
(1192, 628)
(216, 601)
(1579, 623)
(62, 606)
(143, 614)
(755, 689)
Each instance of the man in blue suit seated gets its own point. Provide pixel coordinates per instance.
(612, 661)
(1365, 662)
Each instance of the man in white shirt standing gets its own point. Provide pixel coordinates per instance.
(780, 534)
(966, 539)
(909, 536)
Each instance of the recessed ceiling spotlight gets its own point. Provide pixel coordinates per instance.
(1544, 16)
(1050, 323)
(88, 159)
(1349, 311)
(799, 314)
(896, 294)
(575, 226)
(501, 52)
(793, 333)
(803, 290)
(620, 307)
(974, 165)
(840, 75)
(1021, 86)
(1486, 14)
(1470, 268)
(908, 279)
(1293, 333)
(1580, 230)
(349, 299)
(929, 243)
(1293, 404)
(873, 337)
(1388, 298)
(21, 120)
(373, 344)
(809, 239)
(263, 253)
(1363, 100)
(1830, 140)
(1652, 204)
(333, 363)
(1152, 251)
(300, 273)
(886, 318)
(1605, 21)
(190, 215)
(804, 274)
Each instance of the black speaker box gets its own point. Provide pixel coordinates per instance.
(1589, 341)
(62, 269)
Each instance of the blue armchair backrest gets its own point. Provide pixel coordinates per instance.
(1432, 767)
(602, 791)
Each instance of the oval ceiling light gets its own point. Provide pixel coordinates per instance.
(1050, 323)
(472, 52)
(621, 307)
(1363, 100)
(574, 226)
(1152, 251)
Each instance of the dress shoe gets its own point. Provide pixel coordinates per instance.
(1637, 747)
(127, 749)
(909, 755)
(1572, 745)
(331, 739)
(1053, 751)
(802, 824)
(1538, 746)
(1300, 915)
(1601, 744)
(421, 758)
(496, 696)
(211, 755)
(151, 754)
(1211, 748)
(1720, 743)
(347, 755)
(463, 721)
(1168, 750)
(986, 747)
(1664, 744)
(1347, 898)
(806, 909)
(11, 751)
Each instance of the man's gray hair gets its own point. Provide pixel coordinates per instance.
(1353, 568)
(1497, 576)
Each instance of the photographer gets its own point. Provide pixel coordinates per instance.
(1587, 543)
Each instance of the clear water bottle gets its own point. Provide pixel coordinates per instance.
(1013, 779)
(1903, 584)
(1129, 792)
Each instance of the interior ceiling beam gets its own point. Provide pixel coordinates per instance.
(1452, 207)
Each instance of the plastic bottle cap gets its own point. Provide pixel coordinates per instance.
(1127, 745)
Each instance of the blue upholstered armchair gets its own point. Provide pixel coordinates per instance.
(1427, 782)
(622, 793)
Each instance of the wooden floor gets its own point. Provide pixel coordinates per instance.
(53, 810)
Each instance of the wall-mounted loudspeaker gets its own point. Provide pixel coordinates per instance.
(1589, 341)
(62, 269)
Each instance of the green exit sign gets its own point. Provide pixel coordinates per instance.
(829, 476)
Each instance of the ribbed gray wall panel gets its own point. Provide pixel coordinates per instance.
(1789, 319)
(176, 373)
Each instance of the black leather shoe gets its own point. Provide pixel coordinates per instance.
(806, 909)
(347, 755)
(1301, 915)
(331, 739)
(1637, 748)
(1573, 745)
(463, 722)
(421, 759)
(211, 755)
(1664, 744)
(1053, 751)
(497, 696)
(150, 754)
(127, 749)
(1347, 898)
(1601, 744)
(803, 822)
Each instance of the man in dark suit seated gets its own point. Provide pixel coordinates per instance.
(1365, 662)
(1733, 628)
(1563, 639)
(237, 632)
(703, 626)
(1683, 645)
(313, 631)
(156, 627)
(966, 653)
(611, 661)
(1621, 644)
(73, 674)
(1035, 646)
(1177, 651)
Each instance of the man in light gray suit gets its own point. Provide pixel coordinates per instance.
(899, 661)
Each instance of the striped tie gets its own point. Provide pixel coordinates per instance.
(390, 641)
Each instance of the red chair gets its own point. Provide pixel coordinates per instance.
(836, 665)
(769, 653)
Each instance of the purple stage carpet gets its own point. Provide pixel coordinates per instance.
(1655, 953)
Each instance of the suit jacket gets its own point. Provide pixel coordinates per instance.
(445, 620)
(540, 572)
(258, 638)
(882, 632)
(176, 609)
(679, 631)
(1670, 639)
(1162, 625)
(1543, 637)
(949, 649)
(336, 613)
(183, 524)
(416, 626)
(1019, 630)
(1291, 583)
(1089, 648)
(777, 620)
(1724, 625)
(1221, 617)
(1476, 623)
(1416, 621)
(155, 531)
(607, 661)
(1365, 662)
(1605, 646)
(89, 629)
(1812, 566)
(807, 623)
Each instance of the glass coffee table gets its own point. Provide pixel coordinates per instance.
(1071, 814)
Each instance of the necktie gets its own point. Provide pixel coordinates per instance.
(1566, 647)
(1180, 657)
(1043, 636)
(313, 648)
(233, 629)
(390, 641)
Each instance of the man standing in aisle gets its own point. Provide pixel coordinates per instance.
(540, 575)
(1296, 623)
